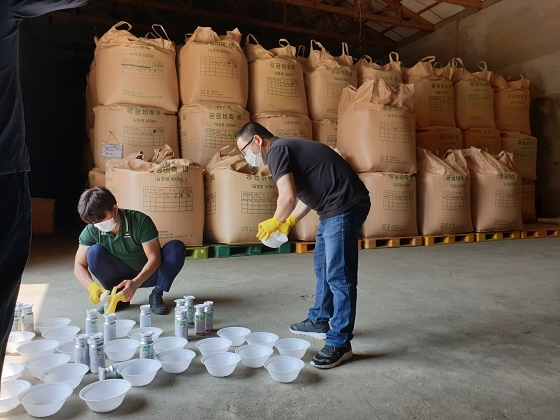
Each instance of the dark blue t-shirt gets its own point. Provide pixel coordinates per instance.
(324, 181)
(13, 151)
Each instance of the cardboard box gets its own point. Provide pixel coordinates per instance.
(42, 215)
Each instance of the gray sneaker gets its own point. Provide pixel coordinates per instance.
(307, 327)
(330, 357)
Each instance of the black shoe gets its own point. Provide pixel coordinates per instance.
(307, 327)
(330, 357)
(157, 305)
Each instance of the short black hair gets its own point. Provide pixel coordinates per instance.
(252, 128)
(94, 203)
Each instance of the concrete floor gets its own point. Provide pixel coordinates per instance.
(464, 331)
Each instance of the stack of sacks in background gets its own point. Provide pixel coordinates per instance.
(132, 96)
(325, 77)
(213, 87)
(512, 115)
(276, 89)
(170, 191)
(391, 72)
(495, 191)
(376, 135)
(433, 107)
(474, 107)
(238, 197)
(444, 201)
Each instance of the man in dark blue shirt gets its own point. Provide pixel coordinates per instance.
(15, 205)
(322, 180)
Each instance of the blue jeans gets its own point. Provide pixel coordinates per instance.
(111, 270)
(336, 269)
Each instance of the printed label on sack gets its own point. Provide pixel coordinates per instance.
(109, 150)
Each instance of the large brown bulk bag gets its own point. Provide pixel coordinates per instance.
(393, 204)
(444, 202)
(376, 129)
(325, 131)
(325, 78)
(139, 71)
(207, 127)
(439, 139)
(391, 72)
(473, 98)
(528, 207)
(433, 95)
(170, 192)
(275, 79)
(512, 102)
(124, 129)
(96, 178)
(306, 228)
(524, 150)
(285, 125)
(483, 138)
(495, 191)
(213, 68)
(238, 197)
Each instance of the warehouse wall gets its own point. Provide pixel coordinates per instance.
(513, 37)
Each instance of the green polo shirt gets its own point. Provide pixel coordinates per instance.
(136, 229)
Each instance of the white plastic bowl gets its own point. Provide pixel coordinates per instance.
(61, 334)
(104, 396)
(275, 240)
(9, 394)
(237, 335)
(124, 326)
(254, 355)
(43, 326)
(264, 338)
(37, 348)
(221, 364)
(11, 371)
(213, 345)
(176, 361)
(139, 372)
(284, 368)
(136, 332)
(121, 349)
(37, 365)
(69, 349)
(169, 344)
(45, 399)
(18, 338)
(70, 374)
(295, 347)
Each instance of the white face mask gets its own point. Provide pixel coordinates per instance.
(254, 159)
(107, 225)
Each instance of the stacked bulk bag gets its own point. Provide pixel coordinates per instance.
(439, 139)
(170, 192)
(369, 70)
(483, 138)
(213, 68)
(444, 202)
(285, 125)
(511, 104)
(326, 131)
(495, 191)
(238, 197)
(207, 127)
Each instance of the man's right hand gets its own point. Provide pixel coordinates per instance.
(290, 222)
(95, 291)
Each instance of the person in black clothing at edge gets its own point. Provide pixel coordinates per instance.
(322, 180)
(15, 206)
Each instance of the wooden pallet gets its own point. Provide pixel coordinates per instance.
(305, 247)
(244, 250)
(540, 230)
(196, 252)
(458, 238)
(497, 236)
(396, 242)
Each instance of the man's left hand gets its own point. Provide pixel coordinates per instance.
(268, 227)
(129, 288)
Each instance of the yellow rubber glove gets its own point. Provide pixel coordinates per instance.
(95, 291)
(268, 227)
(285, 227)
(114, 299)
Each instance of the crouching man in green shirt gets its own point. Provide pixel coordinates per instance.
(121, 248)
